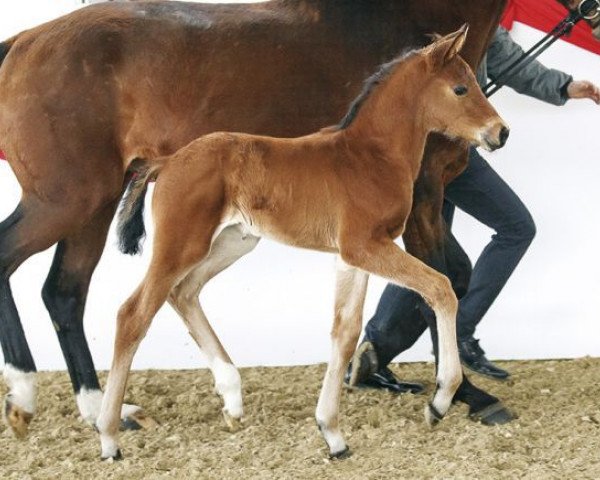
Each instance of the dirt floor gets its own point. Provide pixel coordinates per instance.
(557, 434)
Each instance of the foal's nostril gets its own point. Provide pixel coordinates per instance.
(504, 132)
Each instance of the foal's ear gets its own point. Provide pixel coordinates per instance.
(446, 48)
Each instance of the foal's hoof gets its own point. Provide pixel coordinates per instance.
(495, 414)
(138, 420)
(113, 458)
(233, 424)
(341, 455)
(17, 419)
(432, 416)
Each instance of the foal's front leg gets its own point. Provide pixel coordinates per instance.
(351, 288)
(386, 259)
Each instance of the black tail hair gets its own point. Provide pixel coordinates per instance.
(5, 47)
(131, 230)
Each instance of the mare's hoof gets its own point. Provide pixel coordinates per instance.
(432, 416)
(129, 424)
(233, 424)
(17, 419)
(113, 458)
(341, 455)
(495, 414)
(138, 420)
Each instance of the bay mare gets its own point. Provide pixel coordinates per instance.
(83, 96)
(346, 190)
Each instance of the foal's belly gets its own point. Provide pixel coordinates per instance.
(316, 234)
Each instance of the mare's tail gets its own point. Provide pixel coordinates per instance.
(130, 229)
(5, 47)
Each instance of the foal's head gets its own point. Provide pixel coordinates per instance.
(453, 102)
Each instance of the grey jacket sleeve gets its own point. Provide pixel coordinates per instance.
(535, 80)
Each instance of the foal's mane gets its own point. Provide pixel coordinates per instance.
(371, 84)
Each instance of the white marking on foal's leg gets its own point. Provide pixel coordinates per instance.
(328, 406)
(351, 287)
(109, 446)
(89, 403)
(22, 388)
(449, 374)
(228, 384)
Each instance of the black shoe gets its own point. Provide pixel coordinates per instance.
(364, 363)
(473, 357)
(364, 372)
(384, 379)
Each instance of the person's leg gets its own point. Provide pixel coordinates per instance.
(397, 323)
(481, 193)
(395, 327)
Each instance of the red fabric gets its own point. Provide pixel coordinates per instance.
(2, 157)
(544, 15)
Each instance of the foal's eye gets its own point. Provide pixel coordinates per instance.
(461, 90)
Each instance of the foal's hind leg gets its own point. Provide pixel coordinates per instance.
(133, 321)
(351, 288)
(229, 246)
(384, 258)
(64, 293)
(183, 237)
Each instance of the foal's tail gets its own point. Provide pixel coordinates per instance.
(130, 229)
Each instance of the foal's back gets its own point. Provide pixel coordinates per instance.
(272, 185)
(293, 190)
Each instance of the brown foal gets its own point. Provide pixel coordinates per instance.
(346, 190)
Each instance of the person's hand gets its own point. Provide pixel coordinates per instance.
(584, 89)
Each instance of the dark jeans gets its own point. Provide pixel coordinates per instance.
(479, 191)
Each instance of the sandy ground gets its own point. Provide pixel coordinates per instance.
(557, 434)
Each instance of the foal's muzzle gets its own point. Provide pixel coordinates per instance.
(495, 137)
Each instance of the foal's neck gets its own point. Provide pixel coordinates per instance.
(392, 120)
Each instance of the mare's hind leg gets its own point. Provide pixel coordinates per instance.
(32, 227)
(19, 368)
(231, 244)
(64, 293)
(351, 288)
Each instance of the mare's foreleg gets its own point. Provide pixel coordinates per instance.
(350, 291)
(231, 244)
